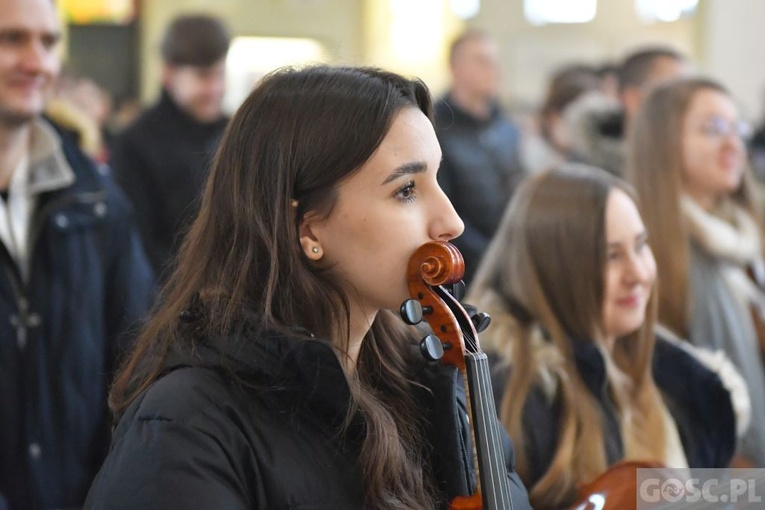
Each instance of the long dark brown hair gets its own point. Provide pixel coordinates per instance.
(298, 135)
(548, 259)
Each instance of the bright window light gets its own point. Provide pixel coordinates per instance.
(541, 12)
(250, 58)
(664, 10)
(415, 29)
(465, 9)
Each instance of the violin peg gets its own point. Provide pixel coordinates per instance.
(411, 311)
(431, 348)
(457, 290)
(481, 321)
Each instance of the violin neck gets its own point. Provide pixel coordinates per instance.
(492, 470)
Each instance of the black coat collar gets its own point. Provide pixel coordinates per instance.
(294, 368)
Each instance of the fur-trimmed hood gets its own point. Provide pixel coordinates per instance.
(596, 125)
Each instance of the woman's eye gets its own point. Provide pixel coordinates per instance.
(406, 192)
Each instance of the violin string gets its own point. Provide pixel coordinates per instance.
(500, 485)
(499, 488)
(498, 479)
(503, 483)
(488, 447)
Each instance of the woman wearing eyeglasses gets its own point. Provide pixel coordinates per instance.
(687, 161)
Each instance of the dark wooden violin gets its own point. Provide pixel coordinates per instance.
(615, 489)
(435, 279)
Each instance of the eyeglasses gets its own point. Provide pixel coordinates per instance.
(719, 127)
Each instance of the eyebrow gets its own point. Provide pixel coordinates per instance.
(55, 35)
(414, 167)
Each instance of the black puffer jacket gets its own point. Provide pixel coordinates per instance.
(199, 439)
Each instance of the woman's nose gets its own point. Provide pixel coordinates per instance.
(640, 269)
(446, 224)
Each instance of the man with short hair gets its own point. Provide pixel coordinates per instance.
(599, 125)
(644, 69)
(73, 278)
(161, 160)
(481, 146)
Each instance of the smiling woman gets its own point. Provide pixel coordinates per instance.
(687, 160)
(274, 374)
(583, 381)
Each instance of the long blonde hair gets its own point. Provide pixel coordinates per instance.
(545, 272)
(655, 167)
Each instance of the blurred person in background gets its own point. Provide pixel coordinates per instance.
(162, 160)
(643, 70)
(553, 145)
(756, 146)
(84, 107)
(583, 379)
(687, 160)
(481, 146)
(599, 124)
(608, 73)
(74, 279)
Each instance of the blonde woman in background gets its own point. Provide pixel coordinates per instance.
(688, 164)
(583, 381)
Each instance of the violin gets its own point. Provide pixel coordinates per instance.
(434, 276)
(615, 489)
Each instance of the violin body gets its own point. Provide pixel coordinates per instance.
(615, 489)
(433, 267)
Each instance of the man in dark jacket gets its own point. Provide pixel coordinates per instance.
(481, 146)
(74, 278)
(161, 160)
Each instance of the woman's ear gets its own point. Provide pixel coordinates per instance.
(308, 240)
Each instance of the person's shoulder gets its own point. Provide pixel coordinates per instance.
(183, 394)
(502, 119)
(703, 384)
(182, 444)
(682, 370)
(144, 127)
(194, 400)
(676, 359)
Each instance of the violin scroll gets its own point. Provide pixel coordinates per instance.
(434, 277)
(434, 266)
(436, 263)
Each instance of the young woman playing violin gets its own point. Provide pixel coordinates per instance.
(584, 381)
(273, 373)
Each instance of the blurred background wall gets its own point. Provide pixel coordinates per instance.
(725, 38)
